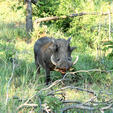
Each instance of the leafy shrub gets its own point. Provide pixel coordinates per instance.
(10, 51)
(45, 8)
(107, 46)
(84, 30)
(54, 103)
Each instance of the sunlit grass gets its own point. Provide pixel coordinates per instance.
(77, 95)
(9, 15)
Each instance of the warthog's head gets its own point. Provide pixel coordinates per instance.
(61, 56)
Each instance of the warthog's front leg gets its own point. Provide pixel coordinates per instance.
(47, 76)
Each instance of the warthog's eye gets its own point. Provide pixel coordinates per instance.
(69, 58)
(56, 49)
(58, 59)
(69, 48)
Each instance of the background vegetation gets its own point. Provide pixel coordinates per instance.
(90, 33)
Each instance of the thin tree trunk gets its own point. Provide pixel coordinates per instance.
(29, 23)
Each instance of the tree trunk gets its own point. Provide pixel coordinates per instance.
(29, 23)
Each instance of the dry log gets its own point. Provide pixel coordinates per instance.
(39, 20)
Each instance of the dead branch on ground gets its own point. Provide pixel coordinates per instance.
(90, 105)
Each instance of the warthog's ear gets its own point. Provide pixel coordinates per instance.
(72, 48)
(53, 40)
(52, 47)
(69, 39)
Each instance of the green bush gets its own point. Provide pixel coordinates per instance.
(107, 46)
(10, 51)
(84, 30)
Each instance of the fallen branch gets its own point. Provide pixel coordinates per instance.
(72, 15)
(86, 106)
(88, 71)
(40, 104)
(106, 107)
(35, 105)
(89, 105)
(90, 100)
(104, 103)
(91, 70)
(77, 106)
(27, 105)
(71, 101)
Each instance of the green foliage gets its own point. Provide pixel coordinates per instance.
(45, 8)
(84, 30)
(54, 103)
(10, 51)
(107, 46)
(85, 37)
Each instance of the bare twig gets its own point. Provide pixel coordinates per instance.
(104, 103)
(40, 105)
(106, 107)
(46, 108)
(91, 70)
(27, 105)
(53, 84)
(85, 106)
(90, 100)
(88, 71)
(71, 101)
(7, 95)
(77, 106)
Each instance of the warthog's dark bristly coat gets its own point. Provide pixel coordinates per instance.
(53, 54)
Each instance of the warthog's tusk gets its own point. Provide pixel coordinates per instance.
(75, 60)
(53, 60)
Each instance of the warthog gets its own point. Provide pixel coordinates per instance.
(53, 54)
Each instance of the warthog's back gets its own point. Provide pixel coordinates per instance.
(42, 51)
(42, 43)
